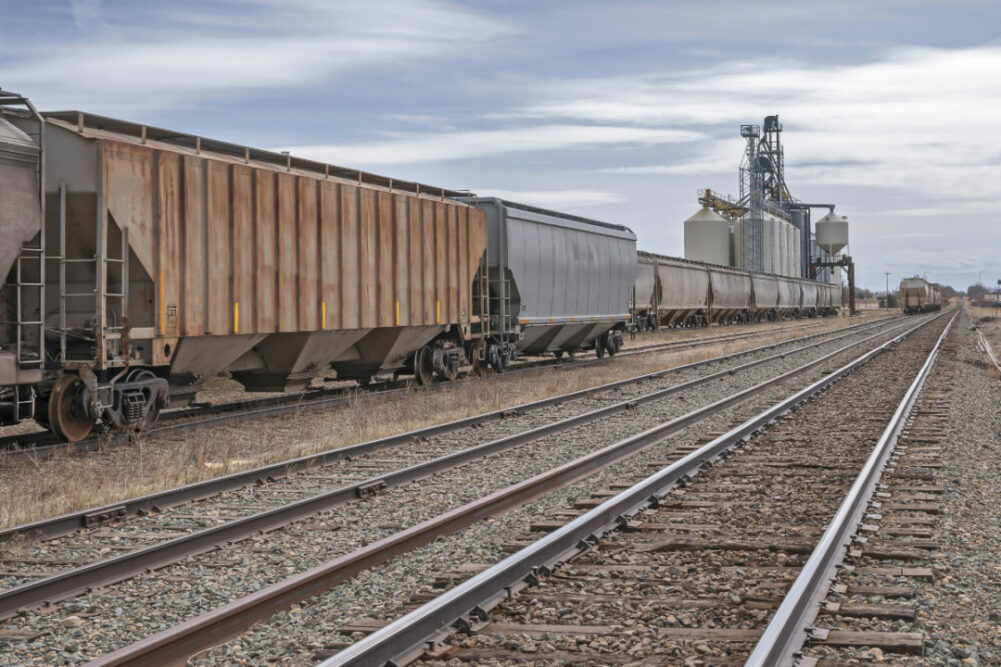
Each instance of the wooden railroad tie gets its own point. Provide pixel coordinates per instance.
(895, 642)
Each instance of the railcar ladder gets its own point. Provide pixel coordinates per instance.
(115, 329)
(30, 325)
(502, 308)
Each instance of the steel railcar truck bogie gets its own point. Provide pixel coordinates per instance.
(140, 262)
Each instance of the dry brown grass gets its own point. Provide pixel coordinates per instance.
(34, 489)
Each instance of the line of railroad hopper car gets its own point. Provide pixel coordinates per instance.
(675, 292)
(140, 262)
(917, 295)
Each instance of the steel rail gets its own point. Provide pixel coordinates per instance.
(465, 606)
(179, 642)
(722, 338)
(987, 349)
(119, 568)
(790, 627)
(43, 444)
(161, 500)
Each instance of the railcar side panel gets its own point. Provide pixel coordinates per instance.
(220, 306)
(266, 274)
(645, 283)
(731, 293)
(173, 257)
(243, 248)
(766, 294)
(288, 255)
(790, 295)
(350, 258)
(808, 303)
(194, 307)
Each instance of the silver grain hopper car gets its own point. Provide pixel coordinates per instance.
(808, 298)
(681, 292)
(775, 297)
(670, 291)
(917, 295)
(730, 295)
(828, 298)
(558, 282)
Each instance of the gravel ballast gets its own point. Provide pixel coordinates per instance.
(85, 627)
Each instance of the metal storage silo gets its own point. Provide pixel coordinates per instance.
(707, 237)
(782, 266)
(790, 249)
(796, 252)
(801, 224)
(769, 244)
(737, 241)
(832, 233)
(749, 247)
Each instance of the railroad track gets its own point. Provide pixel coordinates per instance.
(691, 562)
(858, 591)
(348, 480)
(780, 371)
(41, 445)
(160, 501)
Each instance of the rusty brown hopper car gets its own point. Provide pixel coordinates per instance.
(171, 258)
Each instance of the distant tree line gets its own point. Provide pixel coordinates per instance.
(978, 292)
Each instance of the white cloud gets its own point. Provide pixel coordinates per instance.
(469, 144)
(917, 120)
(904, 144)
(554, 198)
(86, 13)
(161, 56)
(692, 168)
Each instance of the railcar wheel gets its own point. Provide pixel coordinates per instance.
(558, 354)
(610, 344)
(599, 347)
(424, 365)
(66, 417)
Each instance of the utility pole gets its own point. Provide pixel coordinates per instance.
(886, 301)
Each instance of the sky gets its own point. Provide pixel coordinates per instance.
(619, 111)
